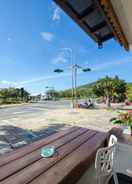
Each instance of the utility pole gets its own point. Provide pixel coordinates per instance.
(75, 83)
(70, 51)
(74, 69)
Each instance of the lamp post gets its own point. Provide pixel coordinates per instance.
(74, 69)
(51, 89)
(70, 51)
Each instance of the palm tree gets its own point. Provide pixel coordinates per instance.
(104, 87)
(110, 88)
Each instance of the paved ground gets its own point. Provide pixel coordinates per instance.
(29, 109)
(16, 123)
(23, 124)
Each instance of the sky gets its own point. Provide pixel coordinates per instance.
(34, 36)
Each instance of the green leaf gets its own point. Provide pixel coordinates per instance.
(118, 121)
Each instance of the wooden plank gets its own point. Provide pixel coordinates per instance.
(70, 169)
(29, 173)
(114, 22)
(105, 38)
(28, 159)
(87, 11)
(68, 9)
(80, 18)
(6, 158)
(99, 26)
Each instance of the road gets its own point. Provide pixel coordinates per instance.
(31, 109)
(15, 120)
(25, 123)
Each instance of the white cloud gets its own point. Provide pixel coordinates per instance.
(5, 82)
(60, 59)
(99, 67)
(47, 36)
(108, 64)
(56, 14)
(34, 80)
(8, 83)
(9, 38)
(43, 78)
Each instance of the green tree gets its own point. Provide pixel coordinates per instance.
(129, 92)
(110, 88)
(24, 94)
(52, 94)
(120, 87)
(4, 94)
(13, 95)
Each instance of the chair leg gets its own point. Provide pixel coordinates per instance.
(101, 179)
(98, 179)
(115, 178)
(108, 179)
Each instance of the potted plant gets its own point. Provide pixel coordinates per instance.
(124, 119)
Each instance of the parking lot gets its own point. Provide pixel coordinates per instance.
(25, 123)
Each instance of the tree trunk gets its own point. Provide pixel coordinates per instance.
(131, 130)
(108, 102)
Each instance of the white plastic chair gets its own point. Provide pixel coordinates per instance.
(104, 164)
(112, 140)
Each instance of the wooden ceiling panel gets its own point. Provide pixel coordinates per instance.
(96, 17)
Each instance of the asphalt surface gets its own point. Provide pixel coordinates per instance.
(33, 108)
(13, 137)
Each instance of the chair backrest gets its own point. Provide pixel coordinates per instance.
(123, 159)
(112, 140)
(104, 161)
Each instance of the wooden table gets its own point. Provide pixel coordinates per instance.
(75, 148)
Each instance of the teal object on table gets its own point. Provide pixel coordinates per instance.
(47, 152)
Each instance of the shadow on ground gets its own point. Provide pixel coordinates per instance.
(12, 137)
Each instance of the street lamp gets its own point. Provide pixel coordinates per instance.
(58, 70)
(51, 89)
(74, 68)
(70, 51)
(86, 69)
